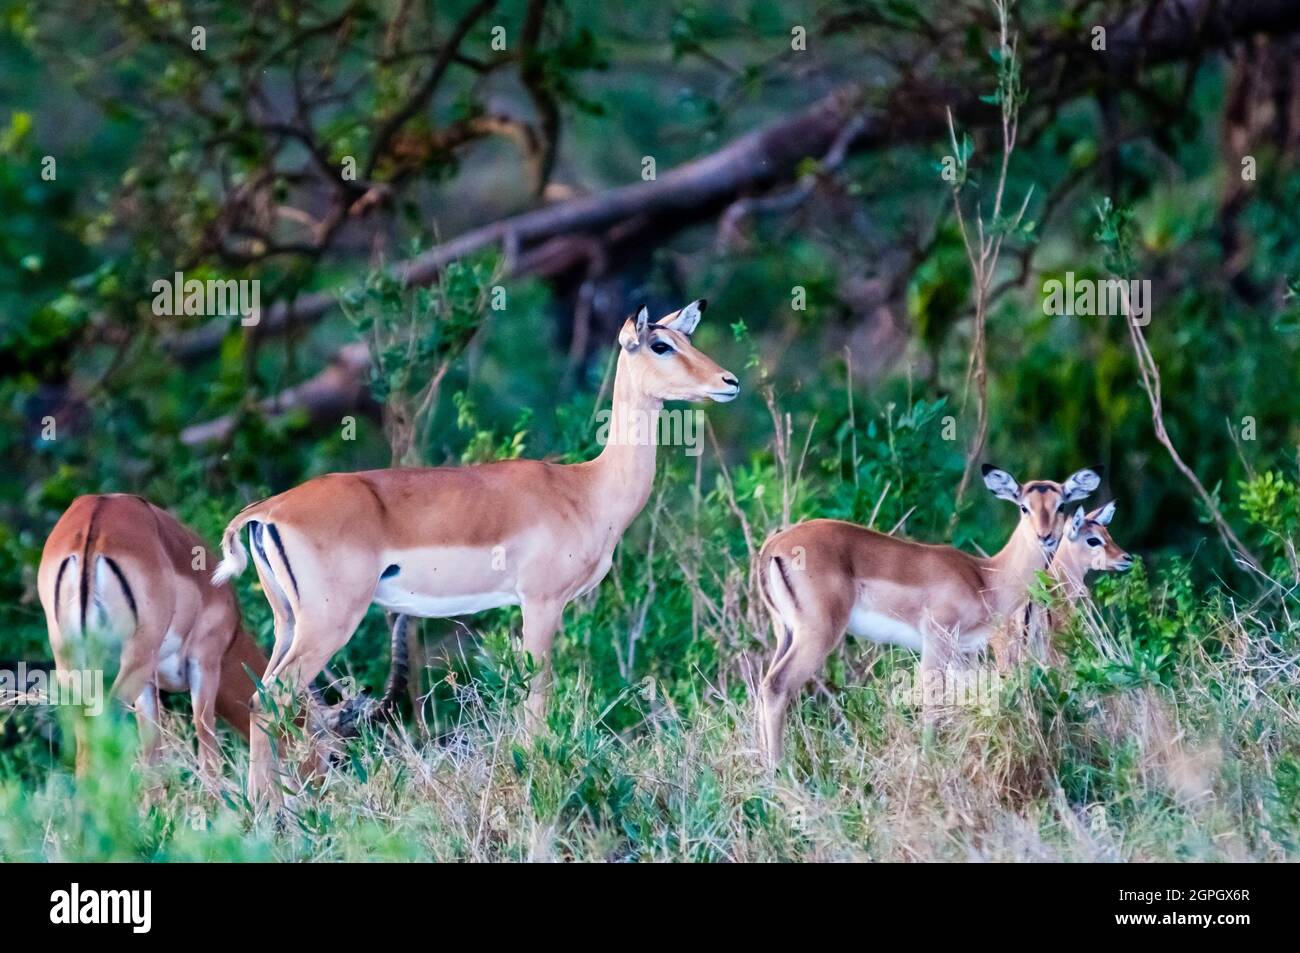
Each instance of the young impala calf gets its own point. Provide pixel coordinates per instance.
(451, 541)
(823, 577)
(1087, 545)
(121, 576)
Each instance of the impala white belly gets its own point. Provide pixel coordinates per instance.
(172, 674)
(890, 630)
(392, 596)
(885, 629)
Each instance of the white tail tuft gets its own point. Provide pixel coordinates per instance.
(234, 558)
(227, 569)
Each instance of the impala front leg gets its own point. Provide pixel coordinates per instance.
(146, 718)
(1005, 644)
(541, 620)
(938, 644)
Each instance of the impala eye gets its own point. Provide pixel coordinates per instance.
(661, 347)
(1093, 541)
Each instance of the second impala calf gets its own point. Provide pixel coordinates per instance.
(824, 577)
(1087, 546)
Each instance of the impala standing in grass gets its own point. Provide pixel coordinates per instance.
(450, 541)
(120, 577)
(823, 577)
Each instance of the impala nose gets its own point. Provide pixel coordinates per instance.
(1124, 564)
(730, 388)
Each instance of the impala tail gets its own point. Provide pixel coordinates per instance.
(234, 557)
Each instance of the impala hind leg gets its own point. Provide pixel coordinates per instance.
(281, 608)
(541, 621)
(136, 683)
(64, 664)
(146, 719)
(805, 652)
(316, 638)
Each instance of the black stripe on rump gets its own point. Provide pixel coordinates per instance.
(58, 584)
(785, 578)
(275, 538)
(255, 536)
(126, 590)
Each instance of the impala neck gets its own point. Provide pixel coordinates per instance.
(625, 467)
(1013, 568)
(1066, 571)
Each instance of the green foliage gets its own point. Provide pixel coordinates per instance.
(417, 329)
(1271, 503)
(1164, 735)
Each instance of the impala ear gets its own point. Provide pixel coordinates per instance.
(1082, 483)
(686, 320)
(1076, 523)
(1002, 483)
(633, 332)
(1105, 514)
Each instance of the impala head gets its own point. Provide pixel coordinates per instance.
(663, 363)
(1042, 502)
(1088, 544)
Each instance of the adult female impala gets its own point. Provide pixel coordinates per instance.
(823, 577)
(451, 541)
(121, 576)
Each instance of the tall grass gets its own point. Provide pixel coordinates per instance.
(1171, 730)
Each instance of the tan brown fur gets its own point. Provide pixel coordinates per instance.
(155, 555)
(816, 575)
(455, 540)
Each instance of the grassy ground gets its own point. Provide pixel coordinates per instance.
(1068, 764)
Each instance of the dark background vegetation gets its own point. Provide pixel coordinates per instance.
(775, 169)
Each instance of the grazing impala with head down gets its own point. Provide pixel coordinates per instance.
(123, 578)
(823, 577)
(450, 541)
